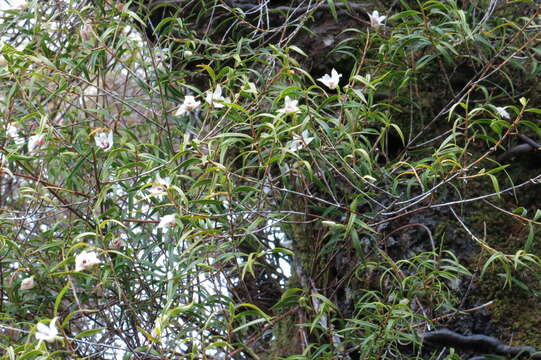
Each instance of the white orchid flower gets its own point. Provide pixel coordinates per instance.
(215, 97)
(35, 142)
(331, 81)
(300, 141)
(47, 333)
(376, 20)
(249, 87)
(290, 106)
(104, 140)
(86, 260)
(188, 105)
(12, 131)
(502, 112)
(159, 187)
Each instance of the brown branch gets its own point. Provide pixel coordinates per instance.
(529, 145)
(48, 184)
(53, 192)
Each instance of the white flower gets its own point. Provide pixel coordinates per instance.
(27, 283)
(376, 20)
(290, 106)
(104, 140)
(300, 141)
(187, 53)
(502, 112)
(85, 260)
(47, 333)
(12, 131)
(214, 97)
(188, 105)
(159, 187)
(166, 222)
(35, 141)
(331, 81)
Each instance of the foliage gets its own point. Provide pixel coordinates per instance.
(219, 218)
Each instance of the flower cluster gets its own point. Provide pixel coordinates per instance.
(213, 98)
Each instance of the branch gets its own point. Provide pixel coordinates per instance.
(478, 343)
(529, 145)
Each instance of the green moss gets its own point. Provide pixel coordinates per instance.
(515, 311)
(286, 342)
(285, 332)
(515, 291)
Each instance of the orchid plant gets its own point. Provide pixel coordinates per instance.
(196, 188)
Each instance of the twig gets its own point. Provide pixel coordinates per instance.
(484, 74)
(10, 328)
(447, 316)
